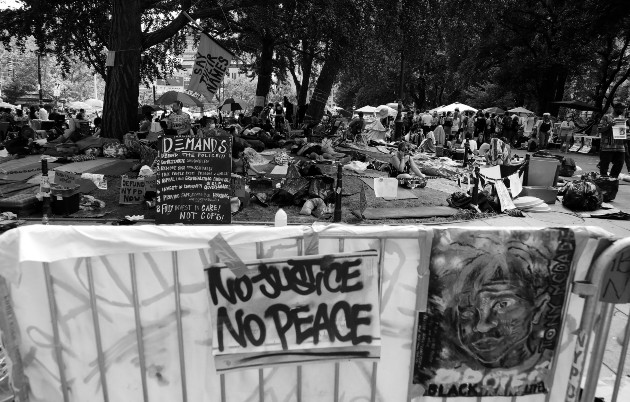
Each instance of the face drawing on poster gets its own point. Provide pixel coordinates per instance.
(495, 313)
(495, 309)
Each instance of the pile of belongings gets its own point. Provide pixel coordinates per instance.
(588, 193)
(531, 204)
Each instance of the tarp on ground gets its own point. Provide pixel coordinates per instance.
(120, 310)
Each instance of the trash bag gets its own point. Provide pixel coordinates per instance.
(322, 187)
(568, 167)
(459, 200)
(609, 187)
(581, 195)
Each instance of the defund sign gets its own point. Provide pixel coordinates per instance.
(301, 309)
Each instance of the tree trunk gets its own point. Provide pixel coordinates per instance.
(120, 109)
(324, 85)
(265, 70)
(307, 67)
(551, 89)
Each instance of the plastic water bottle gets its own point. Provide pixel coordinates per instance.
(281, 218)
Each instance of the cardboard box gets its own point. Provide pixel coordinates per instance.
(547, 194)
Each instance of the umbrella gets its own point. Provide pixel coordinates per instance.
(577, 105)
(366, 109)
(170, 97)
(451, 108)
(520, 110)
(384, 111)
(342, 112)
(393, 105)
(148, 108)
(496, 110)
(94, 103)
(231, 104)
(4, 104)
(78, 105)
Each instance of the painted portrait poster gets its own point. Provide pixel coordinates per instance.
(494, 312)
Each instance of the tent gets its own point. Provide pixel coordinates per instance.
(366, 109)
(496, 110)
(383, 111)
(451, 108)
(520, 110)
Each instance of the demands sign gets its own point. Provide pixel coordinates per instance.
(311, 308)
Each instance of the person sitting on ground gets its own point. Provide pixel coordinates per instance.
(500, 152)
(20, 143)
(167, 131)
(20, 119)
(471, 143)
(357, 125)
(97, 127)
(403, 163)
(428, 144)
(81, 115)
(145, 123)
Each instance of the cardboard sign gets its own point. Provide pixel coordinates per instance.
(149, 183)
(494, 315)
(65, 179)
(619, 132)
(295, 310)
(131, 191)
(504, 196)
(193, 180)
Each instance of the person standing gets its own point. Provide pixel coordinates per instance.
(612, 150)
(43, 113)
(457, 120)
(448, 125)
(426, 123)
(543, 131)
(179, 120)
(288, 110)
(480, 127)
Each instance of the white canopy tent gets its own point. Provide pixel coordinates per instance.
(521, 110)
(366, 109)
(451, 108)
(383, 111)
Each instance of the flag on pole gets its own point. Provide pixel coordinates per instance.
(211, 64)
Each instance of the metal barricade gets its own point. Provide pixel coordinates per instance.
(600, 313)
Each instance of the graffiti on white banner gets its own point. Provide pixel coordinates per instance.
(287, 310)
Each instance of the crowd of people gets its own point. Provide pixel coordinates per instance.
(23, 126)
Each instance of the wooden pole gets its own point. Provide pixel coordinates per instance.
(526, 171)
(338, 191)
(475, 194)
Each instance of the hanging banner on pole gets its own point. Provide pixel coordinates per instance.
(211, 64)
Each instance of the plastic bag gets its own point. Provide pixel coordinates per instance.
(582, 195)
(609, 187)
